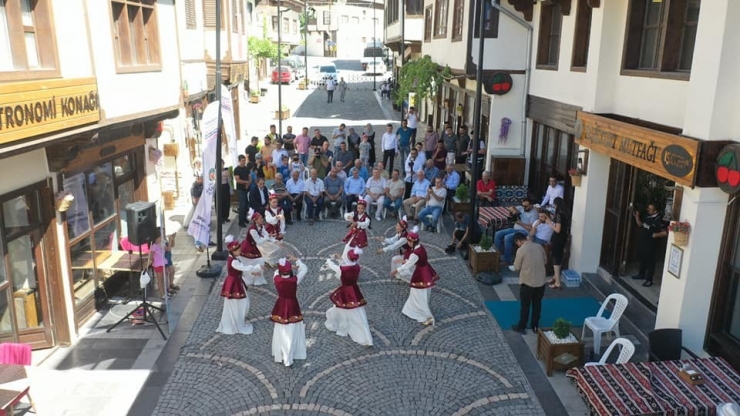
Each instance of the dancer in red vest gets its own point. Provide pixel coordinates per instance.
(396, 242)
(289, 334)
(357, 235)
(234, 292)
(250, 252)
(423, 278)
(274, 218)
(347, 316)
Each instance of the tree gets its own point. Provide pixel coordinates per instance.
(261, 48)
(421, 77)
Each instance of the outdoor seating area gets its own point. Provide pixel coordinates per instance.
(14, 382)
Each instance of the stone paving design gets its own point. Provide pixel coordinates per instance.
(461, 366)
(359, 104)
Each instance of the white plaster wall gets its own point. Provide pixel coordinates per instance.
(315, 45)
(414, 29)
(509, 105)
(71, 34)
(11, 166)
(684, 302)
(349, 35)
(192, 41)
(126, 94)
(194, 76)
(393, 31)
(508, 50)
(445, 51)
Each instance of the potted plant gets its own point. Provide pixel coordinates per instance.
(283, 113)
(303, 84)
(680, 232)
(460, 200)
(254, 97)
(482, 256)
(575, 176)
(561, 328)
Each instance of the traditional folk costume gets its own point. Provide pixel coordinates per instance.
(274, 219)
(398, 242)
(423, 278)
(234, 292)
(347, 316)
(250, 253)
(289, 334)
(357, 235)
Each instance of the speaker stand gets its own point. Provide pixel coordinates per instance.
(209, 270)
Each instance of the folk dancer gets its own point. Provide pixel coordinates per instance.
(250, 252)
(360, 221)
(274, 218)
(269, 247)
(347, 316)
(289, 333)
(396, 242)
(234, 292)
(423, 278)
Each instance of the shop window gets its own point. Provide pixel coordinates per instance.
(458, 13)
(123, 166)
(100, 189)
(83, 270)
(564, 152)
(78, 221)
(548, 43)
(125, 197)
(440, 18)
(135, 34)
(490, 25)
(428, 24)
(6, 324)
(23, 268)
(414, 7)
(553, 152)
(581, 36)
(106, 242)
(27, 44)
(20, 212)
(661, 37)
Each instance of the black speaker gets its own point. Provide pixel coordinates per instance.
(141, 221)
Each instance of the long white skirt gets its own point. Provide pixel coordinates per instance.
(417, 305)
(396, 262)
(234, 317)
(289, 343)
(352, 322)
(248, 277)
(271, 252)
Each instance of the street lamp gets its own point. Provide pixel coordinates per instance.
(280, 70)
(477, 114)
(375, 43)
(305, 36)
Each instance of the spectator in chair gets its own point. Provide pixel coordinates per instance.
(430, 171)
(436, 196)
(354, 187)
(394, 190)
(375, 192)
(416, 201)
(504, 239)
(452, 181)
(296, 188)
(283, 197)
(361, 169)
(333, 188)
(486, 190)
(258, 197)
(554, 190)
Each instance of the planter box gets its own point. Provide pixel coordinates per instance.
(254, 99)
(301, 86)
(459, 206)
(282, 115)
(483, 261)
(549, 352)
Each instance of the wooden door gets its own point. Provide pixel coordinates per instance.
(617, 218)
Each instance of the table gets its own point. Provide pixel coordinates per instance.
(495, 217)
(108, 260)
(548, 352)
(655, 387)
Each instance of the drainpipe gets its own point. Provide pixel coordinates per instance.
(528, 67)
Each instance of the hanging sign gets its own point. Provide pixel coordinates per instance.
(727, 170)
(499, 83)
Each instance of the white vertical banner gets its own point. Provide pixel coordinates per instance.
(227, 114)
(200, 224)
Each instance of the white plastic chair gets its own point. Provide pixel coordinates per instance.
(600, 325)
(439, 219)
(377, 207)
(628, 348)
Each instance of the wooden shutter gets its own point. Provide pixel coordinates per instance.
(209, 13)
(190, 19)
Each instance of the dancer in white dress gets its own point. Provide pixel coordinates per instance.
(274, 218)
(250, 252)
(423, 278)
(360, 221)
(396, 242)
(234, 292)
(289, 334)
(347, 316)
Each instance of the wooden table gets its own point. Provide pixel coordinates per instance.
(656, 387)
(549, 352)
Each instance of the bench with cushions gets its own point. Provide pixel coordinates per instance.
(507, 196)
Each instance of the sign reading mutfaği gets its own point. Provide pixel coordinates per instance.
(664, 154)
(29, 109)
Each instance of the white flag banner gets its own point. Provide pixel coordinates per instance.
(200, 224)
(227, 114)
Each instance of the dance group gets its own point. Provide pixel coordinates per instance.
(262, 248)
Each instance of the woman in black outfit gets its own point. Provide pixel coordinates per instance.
(226, 190)
(561, 230)
(371, 139)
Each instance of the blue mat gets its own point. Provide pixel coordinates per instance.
(575, 310)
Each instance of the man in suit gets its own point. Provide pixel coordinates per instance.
(258, 197)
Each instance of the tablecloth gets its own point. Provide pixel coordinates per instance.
(495, 217)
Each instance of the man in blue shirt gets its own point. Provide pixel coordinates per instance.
(452, 181)
(404, 139)
(354, 186)
(364, 174)
(333, 188)
(416, 201)
(430, 171)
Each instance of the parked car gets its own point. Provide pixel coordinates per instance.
(296, 65)
(326, 72)
(377, 67)
(286, 75)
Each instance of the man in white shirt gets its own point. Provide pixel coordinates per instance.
(419, 193)
(331, 85)
(339, 136)
(554, 190)
(278, 153)
(414, 163)
(314, 197)
(375, 192)
(390, 147)
(540, 233)
(504, 238)
(412, 121)
(435, 202)
(394, 189)
(296, 188)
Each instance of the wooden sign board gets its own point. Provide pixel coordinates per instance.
(667, 155)
(30, 109)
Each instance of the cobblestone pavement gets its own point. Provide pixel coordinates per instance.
(463, 365)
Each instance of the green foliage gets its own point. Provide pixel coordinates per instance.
(422, 77)
(485, 242)
(462, 192)
(561, 328)
(261, 48)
